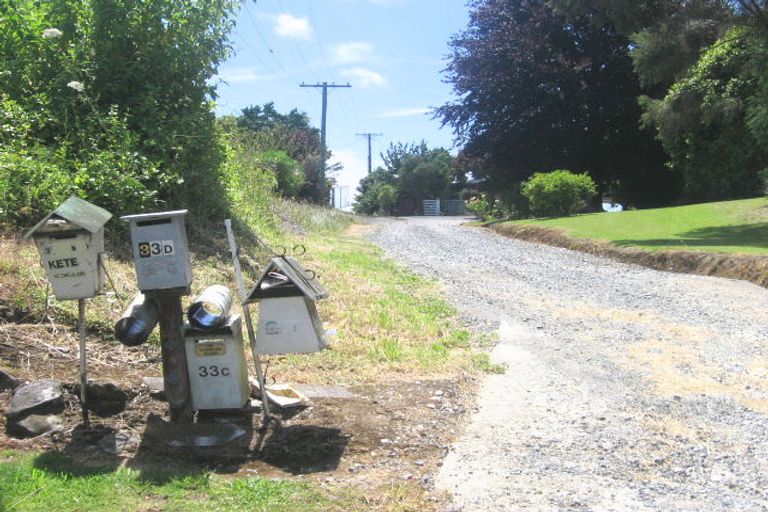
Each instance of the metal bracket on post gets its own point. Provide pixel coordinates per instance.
(247, 318)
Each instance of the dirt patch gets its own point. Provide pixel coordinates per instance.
(748, 268)
(359, 229)
(394, 432)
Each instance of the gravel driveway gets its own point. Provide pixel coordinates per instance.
(626, 388)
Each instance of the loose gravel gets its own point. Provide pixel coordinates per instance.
(625, 388)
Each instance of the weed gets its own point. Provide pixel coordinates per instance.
(482, 362)
(387, 350)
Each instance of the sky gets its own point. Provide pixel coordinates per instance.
(391, 52)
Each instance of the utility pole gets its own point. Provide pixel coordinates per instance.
(369, 136)
(323, 149)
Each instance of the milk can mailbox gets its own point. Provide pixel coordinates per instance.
(160, 251)
(218, 377)
(70, 241)
(288, 320)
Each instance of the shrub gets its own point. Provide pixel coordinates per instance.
(558, 193)
(483, 206)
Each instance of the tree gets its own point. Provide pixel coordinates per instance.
(368, 201)
(703, 126)
(292, 134)
(426, 176)
(411, 173)
(119, 95)
(538, 91)
(702, 64)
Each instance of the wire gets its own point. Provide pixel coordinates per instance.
(317, 35)
(266, 43)
(298, 48)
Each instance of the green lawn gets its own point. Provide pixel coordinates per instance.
(725, 227)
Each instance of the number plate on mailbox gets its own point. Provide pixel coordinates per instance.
(156, 248)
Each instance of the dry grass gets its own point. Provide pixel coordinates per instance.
(390, 324)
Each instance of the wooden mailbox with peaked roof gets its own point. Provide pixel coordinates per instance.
(288, 319)
(70, 241)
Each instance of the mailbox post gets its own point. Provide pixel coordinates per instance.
(70, 241)
(164, 273)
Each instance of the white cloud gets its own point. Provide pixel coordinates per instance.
(348, 53)
(288, 25)
(406, 112)
(364, 77)
(243, 75)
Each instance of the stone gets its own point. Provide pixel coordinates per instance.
(34, 425)
(313, 391)
(8, 382)
(40, 397)
(105, 399)
(119, 442)
(156, 387)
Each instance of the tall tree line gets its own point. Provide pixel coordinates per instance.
(657, 100)
(111, 100)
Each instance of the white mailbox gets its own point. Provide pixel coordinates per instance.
(160, 251)
(288, 320)
(218, 377)
(70, 241)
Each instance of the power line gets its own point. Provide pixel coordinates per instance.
(266, 43)
(296, 44)
(317, 35)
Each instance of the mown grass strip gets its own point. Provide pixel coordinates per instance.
(52, 482)
(736, 227)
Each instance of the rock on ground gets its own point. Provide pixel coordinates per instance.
(34, 408)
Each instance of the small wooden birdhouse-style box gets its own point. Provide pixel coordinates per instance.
(70, 241)
(160, 251)
(288, 320)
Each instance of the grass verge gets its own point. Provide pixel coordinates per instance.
(52, 482)
(731, 227)
(389, 322)
(391, 325)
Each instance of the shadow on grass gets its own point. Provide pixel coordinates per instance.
(746, 235)
(63, 464)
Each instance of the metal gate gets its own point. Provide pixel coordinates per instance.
(432, 207)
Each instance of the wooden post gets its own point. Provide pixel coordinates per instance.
(83, 370)
(175, 376)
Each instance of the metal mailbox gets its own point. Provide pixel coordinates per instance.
(218, 377)
(288, 319)
(160, 250)
(70, 241)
